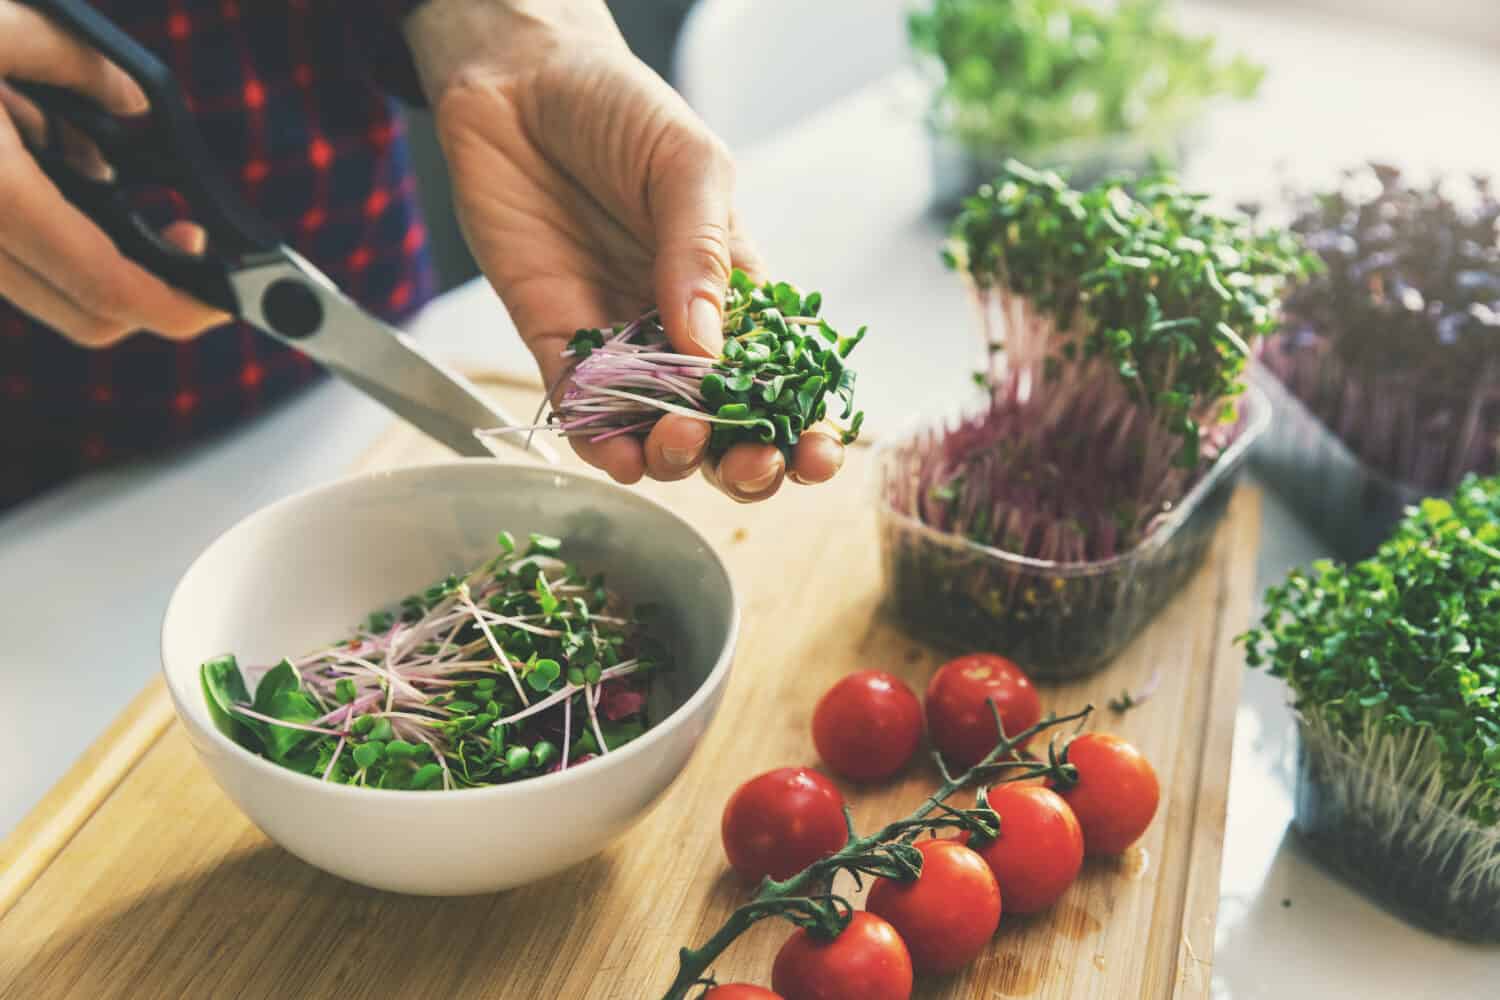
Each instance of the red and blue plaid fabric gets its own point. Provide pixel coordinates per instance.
(291, 96)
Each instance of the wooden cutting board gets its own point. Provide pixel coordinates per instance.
(137, 877)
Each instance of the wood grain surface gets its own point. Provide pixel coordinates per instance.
(137, 877)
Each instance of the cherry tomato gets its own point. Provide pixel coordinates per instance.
(948, 915)
(1115, 795)
(780, 822)
(1039, 850)
(959, 719)
(868, 961)
(867, 726)
(740, 991)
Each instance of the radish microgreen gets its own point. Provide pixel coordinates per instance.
(783, 369)
(520, 667)
(1395, 348)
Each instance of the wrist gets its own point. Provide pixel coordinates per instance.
(451, 38)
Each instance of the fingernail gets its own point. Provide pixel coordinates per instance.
(197, 241)
(680, 458)
(755, 487)
(802, 480)
(706, 326)
(95, 168)
(135, 100)
(838, 451)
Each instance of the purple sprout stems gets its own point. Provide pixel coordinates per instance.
(1413, 426)
(624, 387)
(395, 672)
(1393, 346)
(781, 372)
(1061, 465)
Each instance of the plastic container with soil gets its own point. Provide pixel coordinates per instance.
(1058, 620)
(1373, 822)
(1348, 503)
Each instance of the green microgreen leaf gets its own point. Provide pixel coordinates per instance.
(1393, 658)
(543, 673)
(224, 687)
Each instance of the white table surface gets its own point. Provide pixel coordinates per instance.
(838, 203)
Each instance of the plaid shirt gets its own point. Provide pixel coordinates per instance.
(291, 95)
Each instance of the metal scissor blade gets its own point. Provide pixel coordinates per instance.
(285, 295)
(443, 426)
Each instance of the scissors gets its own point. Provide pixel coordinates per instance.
(247, 271)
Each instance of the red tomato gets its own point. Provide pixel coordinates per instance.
(866, 962)
(1115, 795)
(959, 719)
(1039, 850)
(867, 726)
(782, 821)
(740, 991)
(948, 915)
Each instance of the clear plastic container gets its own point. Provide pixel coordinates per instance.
(1057, 620)
(1349, 504)
(1420, 860)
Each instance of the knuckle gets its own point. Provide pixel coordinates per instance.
(691, 148)
(105, 294)
(707, 239)
(105, 299)
(721, 159)
(704, 248)
(12, 158)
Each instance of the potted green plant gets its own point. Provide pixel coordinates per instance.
(1056, 518)
(1387, 370)
(1064, 84)
(1391, 665)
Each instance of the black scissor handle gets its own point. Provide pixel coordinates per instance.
(164, 149)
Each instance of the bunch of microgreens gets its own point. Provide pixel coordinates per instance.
(520, 667)
(1116, 325)
(1392, 666)
(1404, 645)
(781, 363)
(1396, 346)
(1025, 76)
(806, 898)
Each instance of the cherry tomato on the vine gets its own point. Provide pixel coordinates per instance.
(868, 961)
(959, 719)
(780, 822)
(740, 991)
(1115, 795)
(1039, 850)
(948, 915)
(867, 726)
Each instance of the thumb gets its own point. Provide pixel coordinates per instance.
(690, 188)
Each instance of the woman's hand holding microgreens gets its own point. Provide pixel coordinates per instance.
(771, 386)
(590, 193)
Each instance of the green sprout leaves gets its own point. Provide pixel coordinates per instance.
(479, 679)
(780, 364)
(223, 688)
(782, 370)
(543, 674)
(1406, 640)
(1165, 290)
(1024, 76)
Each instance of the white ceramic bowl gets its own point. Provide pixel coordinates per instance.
(299, 573)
